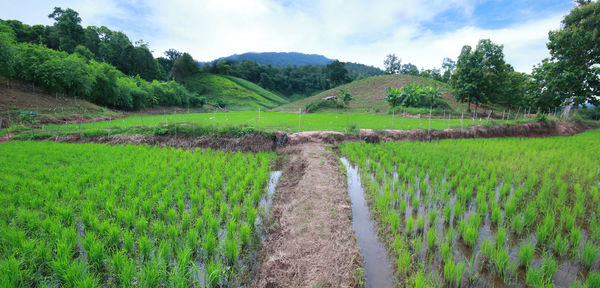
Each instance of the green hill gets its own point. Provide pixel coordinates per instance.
(368, 93)
(235, 93)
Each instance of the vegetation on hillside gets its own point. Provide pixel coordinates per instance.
(231, 92)
(369, 93)
(78, 75)
(294, 80)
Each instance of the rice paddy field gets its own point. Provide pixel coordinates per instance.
(513, 212)
(89, 215)
(267, 121)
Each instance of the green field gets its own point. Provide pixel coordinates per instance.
(483, 212)
(269, 121)
(89, 215)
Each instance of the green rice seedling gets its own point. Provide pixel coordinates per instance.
(459, 209)
(209, 244)
(561, 245)
(589, 254)
(164, 251)
(403, 262)
(214, 274)
(123, 268)
(593, 280)
(460, 267)
(394, 220)
(245, 232)
(95, 251)
(500, 238)
(231, 249)
(159, 229)
(128, 242)
(534, 277)
(450, 272)
(145, 246)
(415, 202)
(421, 223)
(575, 236)
(448, 214)
(530, 215)
(526, 254)
(431, 238)
(171, 216)
(251, 217)
(549, 266)
(410, 225)
(496, 215)
(420, 280)
(510, 208)
(172, 231)
(517, 224)
(432, 217)
(141, 225)
(402, 207)
(192, 239)
(153, 274)
(446, 251)
(487, 249)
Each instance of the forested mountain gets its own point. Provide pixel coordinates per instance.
(279, 59)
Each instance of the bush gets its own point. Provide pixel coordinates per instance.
(316, 106)
(415, 95)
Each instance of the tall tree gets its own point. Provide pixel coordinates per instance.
(572, 71)
(184, 67)
(337, 72)
(392, 64)
(70, 32)
(479, 73)
(449, 66)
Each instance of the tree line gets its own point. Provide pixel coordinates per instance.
(570, 76)
(79, 74)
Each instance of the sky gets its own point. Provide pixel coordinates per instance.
(362, 31)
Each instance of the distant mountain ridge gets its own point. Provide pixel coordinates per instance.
(280, 59)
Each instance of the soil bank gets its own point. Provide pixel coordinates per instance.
(310, 242)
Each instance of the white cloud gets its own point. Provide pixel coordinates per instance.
(352, 30)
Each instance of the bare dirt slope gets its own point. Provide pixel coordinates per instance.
(311, 242)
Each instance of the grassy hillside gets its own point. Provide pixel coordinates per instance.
(16, 97)
(234, 92)
(368, 93)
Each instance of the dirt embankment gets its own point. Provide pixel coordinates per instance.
(534, 129)
(255, 142)
(311, 242)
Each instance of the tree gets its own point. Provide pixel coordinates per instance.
(409, 69)
(572, 71)
(345, 96)
(70, 32)
(392, 64)
(479, 73)
(184, 67)
(449, 67)
(337, 72)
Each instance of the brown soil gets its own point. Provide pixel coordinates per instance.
(248, 143)
(311, 242)
(15, 96)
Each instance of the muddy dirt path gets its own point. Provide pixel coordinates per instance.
(311, 242)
